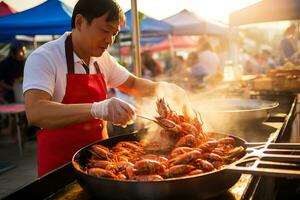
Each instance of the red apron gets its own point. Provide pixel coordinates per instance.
(56, 147)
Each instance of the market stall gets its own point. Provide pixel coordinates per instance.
(188, 23)
(280, 82)
(63, 183)
(6, 9)
(36, 21)
(266, 11)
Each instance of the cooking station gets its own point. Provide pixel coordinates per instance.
(62, 183)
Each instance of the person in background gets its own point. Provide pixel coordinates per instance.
(197, 71)
(66, 81)
(150, 66)
(11, 69)
(207, 58)
(179, 64)
(192, 59)
(267, 60)
(208, 62)
(288, 49)
(252, 65)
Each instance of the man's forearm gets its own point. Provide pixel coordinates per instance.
(139, 87)
(51, 115)
(145, 87)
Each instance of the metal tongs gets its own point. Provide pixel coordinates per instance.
(147, 117)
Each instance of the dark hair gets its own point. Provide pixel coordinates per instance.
(91, 9)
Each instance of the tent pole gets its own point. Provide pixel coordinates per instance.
(234, 46)
(172, 51)
(34, 42)
(136, 39)
(119, 48)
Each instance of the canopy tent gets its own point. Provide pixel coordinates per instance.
(188, 23)
(148, 25)
(49, 18)
(266, 11)
(6, 9)
(137, 25)
(182, 42)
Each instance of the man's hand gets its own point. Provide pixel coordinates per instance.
(114, 110)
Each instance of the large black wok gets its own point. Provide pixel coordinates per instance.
(195, 187)
(233, 112)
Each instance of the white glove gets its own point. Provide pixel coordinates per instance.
(114, 110)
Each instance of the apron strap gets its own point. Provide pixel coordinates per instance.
(86, 68)
(69, 54)
(97, 67)
(70, 58)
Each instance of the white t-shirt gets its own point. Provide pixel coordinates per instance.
(46, 69)
(209, 60)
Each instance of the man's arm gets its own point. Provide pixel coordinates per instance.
(138, 86)
(44, 113)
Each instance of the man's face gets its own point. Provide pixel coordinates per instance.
(98, 35)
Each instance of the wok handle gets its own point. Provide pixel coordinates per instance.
(267, 169)
(282, 160)
(148, 118)
(282, 151)
(266, 145)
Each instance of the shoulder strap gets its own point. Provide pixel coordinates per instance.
(69, 54)
(96, 65)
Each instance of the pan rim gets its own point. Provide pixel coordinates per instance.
(74, 163)
(268, 105)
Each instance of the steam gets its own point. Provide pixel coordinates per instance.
(176, 97)
(198, 100)
(224, 115)
(178, 101)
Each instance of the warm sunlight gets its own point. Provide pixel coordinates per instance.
(184, 100)
(213, 9)
(159, 9)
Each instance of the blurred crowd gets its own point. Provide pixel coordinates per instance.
(209, 58)
(202, 61)
(287, 54)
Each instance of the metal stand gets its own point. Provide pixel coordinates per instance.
(19, 134)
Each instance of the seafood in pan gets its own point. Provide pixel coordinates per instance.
(188, 151)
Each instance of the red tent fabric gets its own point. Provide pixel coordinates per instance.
(6, 9)
(177, 41)
(125, 51)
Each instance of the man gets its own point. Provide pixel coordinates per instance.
(66, 80)
(11, 69)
